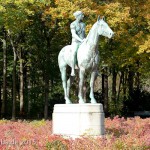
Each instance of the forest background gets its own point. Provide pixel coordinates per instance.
(32, 32)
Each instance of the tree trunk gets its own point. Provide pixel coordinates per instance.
(46, 78)
(3, 109)
(124, 82)
(0, 100)
(119, 88)
(114, 78)
(105, 91)
(13, 77)
(85, 90)
(48, 37)
(28, 93)
(21, 92)
(137, 82)
(130, 82)
(14, 85)
(46, 97)
(106, 94)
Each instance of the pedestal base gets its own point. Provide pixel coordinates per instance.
(78, 119)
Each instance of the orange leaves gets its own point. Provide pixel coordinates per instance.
(117, 14)
(128, 19)
(64, 9)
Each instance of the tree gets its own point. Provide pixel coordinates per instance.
(34, 33)
(3, 109)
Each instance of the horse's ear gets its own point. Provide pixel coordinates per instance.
(98, 19)
(103, 18)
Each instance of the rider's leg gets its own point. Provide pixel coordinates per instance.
(73, 59)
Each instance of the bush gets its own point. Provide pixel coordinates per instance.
(56, 145)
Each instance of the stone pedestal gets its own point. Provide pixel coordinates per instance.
(78, 119)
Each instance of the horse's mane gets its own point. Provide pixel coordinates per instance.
(92, 32)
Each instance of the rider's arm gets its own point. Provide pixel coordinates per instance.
(73, 32)
(83, 32)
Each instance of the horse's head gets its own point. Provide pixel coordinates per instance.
(104, 29)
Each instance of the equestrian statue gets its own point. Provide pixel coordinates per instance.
(82, 54)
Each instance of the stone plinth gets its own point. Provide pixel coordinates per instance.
(78, 119)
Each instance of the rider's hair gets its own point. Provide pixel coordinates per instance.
(77, 13)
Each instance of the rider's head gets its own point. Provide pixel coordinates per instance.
(79, 15)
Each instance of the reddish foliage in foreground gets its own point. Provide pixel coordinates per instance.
(121, 134)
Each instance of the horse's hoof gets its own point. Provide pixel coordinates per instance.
(76, 67)
(93, 101)
(81, 102)
(68, 102)
(73, 74)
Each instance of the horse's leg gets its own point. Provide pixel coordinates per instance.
(81, 79)
(64, 82)
(93, 77)
(69, 83)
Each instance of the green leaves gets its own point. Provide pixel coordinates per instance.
(42, 27)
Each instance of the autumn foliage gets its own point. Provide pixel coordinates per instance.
(121, 134)
(32, 32)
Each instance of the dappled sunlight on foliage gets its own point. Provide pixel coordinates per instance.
(145, 48)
